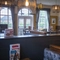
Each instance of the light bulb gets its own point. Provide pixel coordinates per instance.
(26, 3)
(55, 7)
(5, 2)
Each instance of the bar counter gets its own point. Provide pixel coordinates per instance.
(24, 36)
(31, 46)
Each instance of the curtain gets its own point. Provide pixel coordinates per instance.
(37, 17)
(13, 19)
(48, 15)
(48, 12)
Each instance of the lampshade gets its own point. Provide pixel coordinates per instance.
(40, 6)
(56, 8)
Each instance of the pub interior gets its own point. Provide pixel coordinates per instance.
(32, 27)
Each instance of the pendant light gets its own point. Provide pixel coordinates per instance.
(40, 5)
(56, 7)
(5, 2)
(27, 3)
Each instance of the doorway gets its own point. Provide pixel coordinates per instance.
(24, 22)
(25, 19)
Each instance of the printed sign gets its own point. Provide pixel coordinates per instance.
(14, 52)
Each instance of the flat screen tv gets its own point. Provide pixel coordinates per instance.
(3, 27)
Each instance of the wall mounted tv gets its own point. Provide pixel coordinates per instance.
(3, 27)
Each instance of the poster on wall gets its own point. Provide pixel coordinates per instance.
(14, 52)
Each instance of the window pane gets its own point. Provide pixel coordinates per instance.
(29, 11)
(21, 23)
(28, 23)
(4, 11)
(43, 20)
(24, 12)
(10, 25)
(43, 13)
(19, 14)
(4, 20)
(9, 12)
(5, 16)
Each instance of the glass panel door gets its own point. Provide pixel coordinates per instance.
(21, 23)
(20, 26)
(24, 23)
(28, 22)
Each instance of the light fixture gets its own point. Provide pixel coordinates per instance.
(27, 3)
(40, 6)
(56, 8)
(30, 4)
(5, 2)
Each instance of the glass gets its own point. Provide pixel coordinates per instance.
(43, 20)
(9, 12)
(6, 16)
(4, 11)
(28, 23)
(19, 13)
(21, 23)
(24, 12)
(10, 25)
(4, 20)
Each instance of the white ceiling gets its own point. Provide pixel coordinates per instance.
(48, 2)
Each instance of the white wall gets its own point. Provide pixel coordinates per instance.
(49, 2)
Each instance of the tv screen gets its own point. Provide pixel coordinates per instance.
(3, 27)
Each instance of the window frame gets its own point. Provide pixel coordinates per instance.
(7, 17)
(40, 17)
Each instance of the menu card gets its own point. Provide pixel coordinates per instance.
(8, 32)
(14, 52)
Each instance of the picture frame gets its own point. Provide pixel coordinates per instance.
(53, 21)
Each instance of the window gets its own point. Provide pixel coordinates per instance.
(24, 18)
(24, 12)
(6, 17)
(43, 20)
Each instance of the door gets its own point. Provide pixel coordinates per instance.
(21, 23)
(24, 22)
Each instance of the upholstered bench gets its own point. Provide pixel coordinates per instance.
(51, 53)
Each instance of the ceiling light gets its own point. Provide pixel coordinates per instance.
(56, 7)
(5, 2)
(40, 6)
(26, 3)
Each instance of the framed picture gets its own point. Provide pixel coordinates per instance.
(53, 21)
